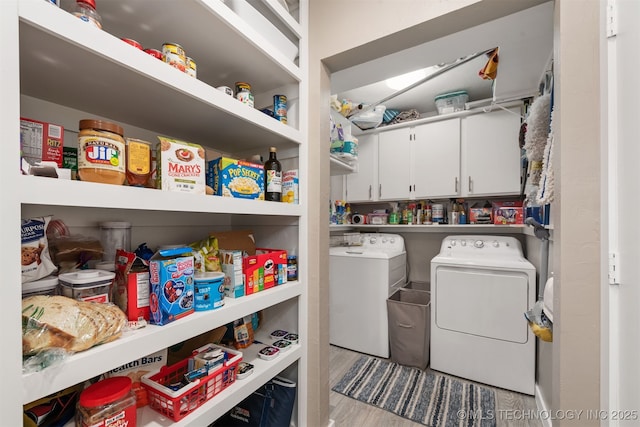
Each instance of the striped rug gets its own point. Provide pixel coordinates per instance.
(424, 397)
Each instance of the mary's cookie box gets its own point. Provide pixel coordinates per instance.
(172, 287)
(132, 285)
(180, 166)
(236, 178)
(264, 270)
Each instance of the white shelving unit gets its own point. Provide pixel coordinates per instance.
(69, 70)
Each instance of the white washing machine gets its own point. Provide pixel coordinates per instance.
(361, 279)
(481, 286)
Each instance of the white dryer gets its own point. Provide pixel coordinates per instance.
(361, 279)
(481, 286)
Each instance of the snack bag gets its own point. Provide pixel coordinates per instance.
(36, 261)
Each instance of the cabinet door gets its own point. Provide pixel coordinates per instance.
(435, 160)
(491, 153)
(394, 164)
(362, 186)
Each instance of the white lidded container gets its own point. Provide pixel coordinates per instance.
(87, 285)
(114, 235)
(45, 286)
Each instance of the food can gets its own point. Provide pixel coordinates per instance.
(280, 108)
(225, 89)
(173, 54)
(191, 67)
(155, 53)
(242, 85)
(245, 97)
(209, 290)
(437, 213)
(132, 43)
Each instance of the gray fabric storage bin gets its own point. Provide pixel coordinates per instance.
(409, 317)
(420, 286)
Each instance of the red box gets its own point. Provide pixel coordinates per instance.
(480, 215)
(180, 403)
(264, 270)
(508, 213)
(132, 286)
(41, 141)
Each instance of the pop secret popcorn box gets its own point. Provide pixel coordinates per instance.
(180, 166)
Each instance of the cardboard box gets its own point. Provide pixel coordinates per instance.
(185, 349)
(231, 262)
(41, 141)
(236, 178)
(264, 270)
(480, 215)
(241, 240)
(136, 369)
(132, 285)
(290, 185)
(508, 213)
(172, 289)
(180, 166)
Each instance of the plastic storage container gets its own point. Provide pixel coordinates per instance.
(114, 235)
(409, 317)
(451, 102)
(45, 286)
(108, 400)
(209, 290)
(87, 285)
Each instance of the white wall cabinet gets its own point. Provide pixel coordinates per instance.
(362, 185)
(473, 155)
(69, 70)
(491, 154)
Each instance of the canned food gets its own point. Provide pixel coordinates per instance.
(132, 43)
(191, 67)
(242, 85)
(280, 108)
(225, 89)
(173, 54)
(155, 53)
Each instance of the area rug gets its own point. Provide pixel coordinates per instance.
(423, 397)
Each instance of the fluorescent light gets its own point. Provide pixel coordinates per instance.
(404, 80)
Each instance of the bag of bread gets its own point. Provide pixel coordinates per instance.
(35, 259)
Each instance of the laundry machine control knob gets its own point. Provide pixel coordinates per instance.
(384, 240)
(453, 243)
(463, 242)
(373, 240)
(392, 240)
(495, 244)
(478, 244)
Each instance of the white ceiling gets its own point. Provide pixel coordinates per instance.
(525, 40)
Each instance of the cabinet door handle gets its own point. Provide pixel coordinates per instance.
(470, 184)
(456, 185)
(370, 192)
(379, 190)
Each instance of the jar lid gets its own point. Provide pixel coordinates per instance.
(47, 283)
(86, 277)
(101, 125)
(104, 392)
(115, 224)
(292, 257)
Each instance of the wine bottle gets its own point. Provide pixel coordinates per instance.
(272, 177)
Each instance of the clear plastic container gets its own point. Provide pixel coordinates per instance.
(87, 285)
(451, 102)
(45, 286)
(114, 235)
(106, 401)
(86, 10)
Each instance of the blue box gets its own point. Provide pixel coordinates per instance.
(172, 291)
(236, 178)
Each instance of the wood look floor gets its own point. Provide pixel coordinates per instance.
(347, 412)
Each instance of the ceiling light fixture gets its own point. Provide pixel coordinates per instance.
(404, 80)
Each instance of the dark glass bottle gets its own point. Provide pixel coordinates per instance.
(272, 177)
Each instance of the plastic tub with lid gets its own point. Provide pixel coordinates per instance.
(45, 286)
(451, 102)
(209, 290)
(87, 285)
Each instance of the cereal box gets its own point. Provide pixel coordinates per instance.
(236, 178)
(172, 288)
(231, 261)
(264, 270)
(41, 141)
(290, 186)
(180, 166)
(136, 369)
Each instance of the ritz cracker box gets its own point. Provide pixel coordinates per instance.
(236, 178)
(172, 289)
(264, 270)
(41, 141)
(180, 166)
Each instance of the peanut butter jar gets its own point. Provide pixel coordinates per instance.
(101, 152)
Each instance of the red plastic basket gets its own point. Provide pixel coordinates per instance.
(180, 403)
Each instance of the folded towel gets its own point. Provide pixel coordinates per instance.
(490, 70)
